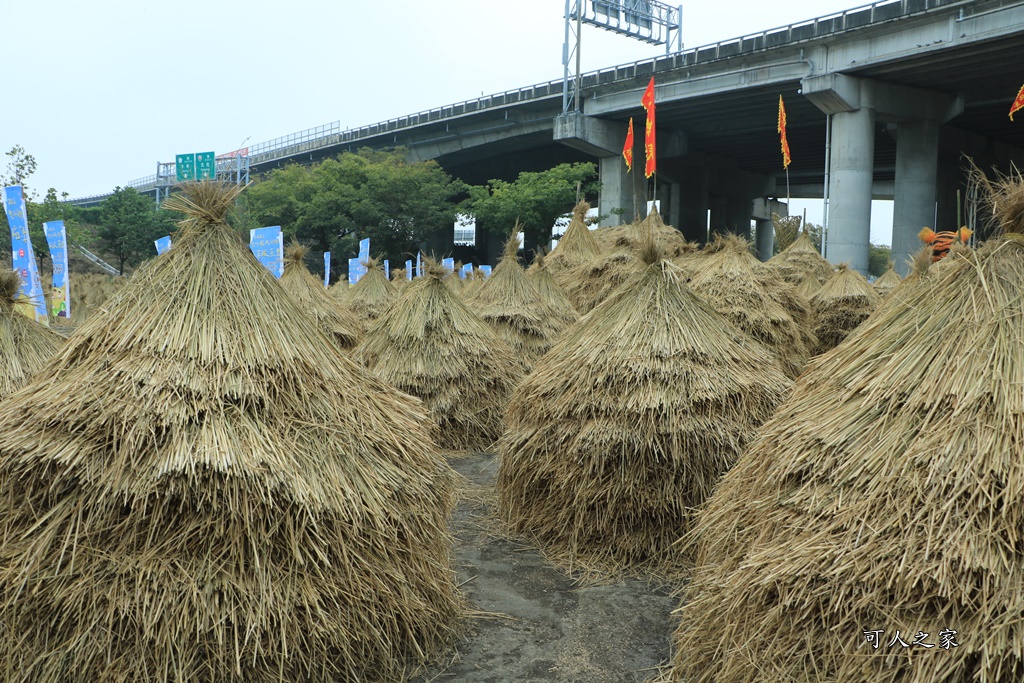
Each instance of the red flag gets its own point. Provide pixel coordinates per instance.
(782, 134)
(627, 149)
(648, 101)
(1017, 103)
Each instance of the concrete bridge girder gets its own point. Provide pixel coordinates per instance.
(454, 140)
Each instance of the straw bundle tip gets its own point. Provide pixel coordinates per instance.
(295, 252)
(513, 244)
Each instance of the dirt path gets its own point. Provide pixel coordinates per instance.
(541, 626)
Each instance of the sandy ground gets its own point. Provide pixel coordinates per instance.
(534, 623)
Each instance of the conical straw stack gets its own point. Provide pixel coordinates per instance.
(510, 304)
(430, 345)
(309, 293)
(200, 487)
(628, 422)
(25, 345)
(881, 505)
(747, 293)
(841, 304)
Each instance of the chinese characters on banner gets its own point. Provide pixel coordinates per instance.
(267, 245)
(60, 292)
(31, 302)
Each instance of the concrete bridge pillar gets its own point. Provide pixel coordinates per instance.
(694, 203)
(616, 191)
(917, 164)
(738, 209)
(855, 104)
(849, 188)
(719, 205)
(762, 210)
(764, 238)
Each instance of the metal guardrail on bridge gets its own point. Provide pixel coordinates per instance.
(331, 134)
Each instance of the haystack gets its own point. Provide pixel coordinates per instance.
(786, 229)
(309, 293)
(518, 313)
(25, 345)
(432, 346)
(628, 422)
(747, 293)
(577, 245)
(840, 305)
(371, 297)
(200, 487)
(872, 532)
(399, 278)
(887, 281)
(800, 261)
(632, 236)
(540, 277)
(454, 284)
(590, 283)
(807, 288)
(89, 293)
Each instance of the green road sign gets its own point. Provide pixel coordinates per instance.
(185, 167)
(206, 166)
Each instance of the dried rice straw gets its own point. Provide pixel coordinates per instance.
(200, 487)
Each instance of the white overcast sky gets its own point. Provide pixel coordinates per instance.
(100, 91)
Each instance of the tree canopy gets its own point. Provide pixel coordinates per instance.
(535, 199)
(129, 224)
(375, 194)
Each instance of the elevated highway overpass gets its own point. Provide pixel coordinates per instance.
(883, 101)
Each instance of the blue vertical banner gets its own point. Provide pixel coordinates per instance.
(356, 270)
(163, 245)
(387, 269)
(267, 245)
(364, 250)
(60, 292)
(408, 269)
(419, 264)
(280, 252)
(30, 297)
(466, 271)
(449, 264)
(486, 270)
(327, 269)
(35, 291)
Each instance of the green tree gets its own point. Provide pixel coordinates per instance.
(535, 199)
(375, 194)
(878, 258)
(20, 166)
(129, 224)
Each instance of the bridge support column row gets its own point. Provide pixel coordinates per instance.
(855, 104)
